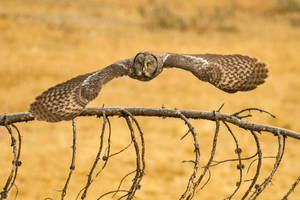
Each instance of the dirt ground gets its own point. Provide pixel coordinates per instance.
(46, 42)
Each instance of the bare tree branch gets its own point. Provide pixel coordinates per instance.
(140, 156)
(137, 140)
(16, 149)
(238, 151)
(163, 112)
(291, 189)
(187, 192)
(278, 157)
(212, 154)
(259, 154)
(89, 180)
(72, 166)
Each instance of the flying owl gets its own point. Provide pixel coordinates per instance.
(230, 73)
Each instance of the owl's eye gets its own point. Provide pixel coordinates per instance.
(148, 64)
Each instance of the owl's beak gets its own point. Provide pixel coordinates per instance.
(144, 68)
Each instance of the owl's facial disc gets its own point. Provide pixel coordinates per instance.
(144, 67)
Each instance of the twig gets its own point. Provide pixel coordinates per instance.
(17, 192)
(254, 160)
(251, 109)
(259, 154)
(206, 182)
(107, 156)
(139, 165)
(107, 193)
(89, 179)
(120, 184)
(118, 152)
(72, 166)
(142, 140)
(139, 156)
(279, 156)
(15, 163)
(231, 160)
(238, 151)
(196, 161)
(212, 154)
(291, 189)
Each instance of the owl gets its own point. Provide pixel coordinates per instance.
(230, 73)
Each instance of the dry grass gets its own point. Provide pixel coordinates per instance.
(46, 42)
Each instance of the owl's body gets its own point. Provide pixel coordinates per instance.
(230, 73)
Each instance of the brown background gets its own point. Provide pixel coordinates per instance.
(46, 42)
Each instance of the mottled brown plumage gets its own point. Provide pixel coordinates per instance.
(230, 73)
(67, 100)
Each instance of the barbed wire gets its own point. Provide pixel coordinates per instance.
(195, 182)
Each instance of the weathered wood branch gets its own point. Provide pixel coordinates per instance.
(237, 119)
(164, 112)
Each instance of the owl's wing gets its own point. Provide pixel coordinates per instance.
(230, 73)
(68, 99)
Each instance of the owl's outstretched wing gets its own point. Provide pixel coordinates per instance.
(230, 73)
(67, 100)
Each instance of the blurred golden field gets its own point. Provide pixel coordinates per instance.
(46, 42)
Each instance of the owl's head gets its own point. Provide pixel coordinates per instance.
(145, 67)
